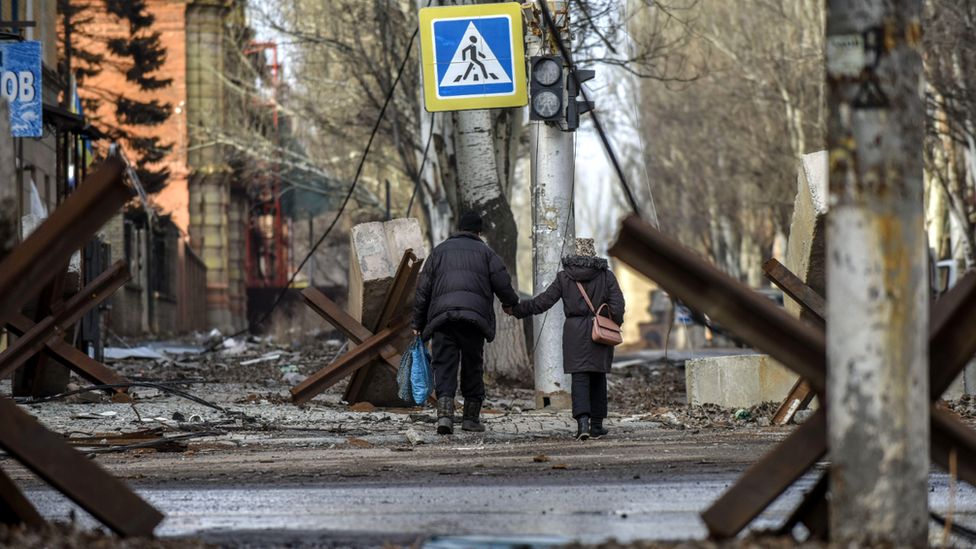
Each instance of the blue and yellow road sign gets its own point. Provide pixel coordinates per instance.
(473, 57)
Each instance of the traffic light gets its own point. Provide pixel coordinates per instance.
(546, 89)
(575, 108)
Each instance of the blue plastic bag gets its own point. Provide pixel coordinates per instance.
(415, 378)
(421, 374)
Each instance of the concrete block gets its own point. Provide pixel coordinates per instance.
(737, 381)
(375, 253)
(805, 247)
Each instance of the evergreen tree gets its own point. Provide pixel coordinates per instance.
(136, 52)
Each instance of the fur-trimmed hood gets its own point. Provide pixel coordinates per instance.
(584, 268)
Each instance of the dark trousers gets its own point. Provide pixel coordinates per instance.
(459, 343)
(590, 395)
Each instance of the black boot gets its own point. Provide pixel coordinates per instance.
(472, 416)
(597, 429)
(445, 416)
(582, 428)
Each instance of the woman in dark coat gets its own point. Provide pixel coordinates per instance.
(586, 361)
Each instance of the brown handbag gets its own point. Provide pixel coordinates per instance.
(605, 330)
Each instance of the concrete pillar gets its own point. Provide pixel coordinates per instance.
(553, 233)
(209, 185)
(375, 253)
(877, 296)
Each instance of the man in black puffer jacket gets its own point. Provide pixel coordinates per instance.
(454, 306)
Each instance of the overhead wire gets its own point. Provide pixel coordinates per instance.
(607, 146)
(423, 163)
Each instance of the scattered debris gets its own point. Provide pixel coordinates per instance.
(362, 407)
(269, 357)
(123, 353)
(414, 437)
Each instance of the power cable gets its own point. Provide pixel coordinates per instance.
(345, 201)
(423, 163)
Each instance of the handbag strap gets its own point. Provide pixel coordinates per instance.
(586, 298)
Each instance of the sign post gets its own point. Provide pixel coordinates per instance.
(20, 86)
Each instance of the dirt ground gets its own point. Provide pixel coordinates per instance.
(239, 429)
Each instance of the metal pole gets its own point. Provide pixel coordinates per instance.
(553, 231)
(877, 302)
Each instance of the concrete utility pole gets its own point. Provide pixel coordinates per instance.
(553, 226)
(877, 306)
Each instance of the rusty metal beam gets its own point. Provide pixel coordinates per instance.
(399, 291)
(52, 327)
(813, 512)
(799, 292)
(346, 364)
(80, 479)
(801, 394)
(949, 434)
(62, 351)
(349, 326)
(951, 329)
(15, 508)
(733, 304)
(768, 478)
(36, 261)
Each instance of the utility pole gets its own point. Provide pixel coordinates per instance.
(877, 306)
(553, 222)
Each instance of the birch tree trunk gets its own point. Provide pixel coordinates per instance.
(480, 189)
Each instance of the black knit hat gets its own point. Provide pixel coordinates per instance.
(471, 222)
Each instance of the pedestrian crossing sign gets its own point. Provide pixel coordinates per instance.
(473, 57)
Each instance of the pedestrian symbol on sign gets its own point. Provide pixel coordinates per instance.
(474, 63)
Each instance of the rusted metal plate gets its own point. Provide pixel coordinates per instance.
(52, 328)
(62, 351)
(37, 260)
(762, 483)
(81, 480)
(799, 292)
(15, 508)
(365, 352)
(799, 397)
(729, 302)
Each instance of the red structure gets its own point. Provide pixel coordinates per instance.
(267, 242)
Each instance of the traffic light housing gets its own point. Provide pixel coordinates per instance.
(546, 92)
(575, 108)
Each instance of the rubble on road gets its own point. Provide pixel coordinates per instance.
(61, 534)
